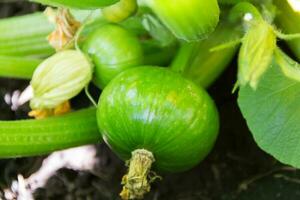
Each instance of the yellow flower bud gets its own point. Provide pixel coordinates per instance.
(59, 78)
(256, 53)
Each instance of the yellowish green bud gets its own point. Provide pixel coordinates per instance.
(59, 78)
(256, 53)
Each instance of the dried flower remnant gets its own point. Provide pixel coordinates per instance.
(66, 27)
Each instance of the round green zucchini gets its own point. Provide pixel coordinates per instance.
(112, 49)
(154, 115)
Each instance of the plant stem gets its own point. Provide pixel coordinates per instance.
(185, 56)
(27, 35)
(159, 56)
(37, 137)
(18, 67)
(136, 182)
(196, 62)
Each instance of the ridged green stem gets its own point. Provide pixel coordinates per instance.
(37, 137)
(18, 67)
(27, 35)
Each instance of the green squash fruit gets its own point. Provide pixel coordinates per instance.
(154, 115)
(190, 20)
(112, 49)
(82, 4)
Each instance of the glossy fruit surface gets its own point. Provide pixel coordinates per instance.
(112, 49)
(188, 19)
(158, 110)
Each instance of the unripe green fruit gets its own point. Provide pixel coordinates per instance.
(152, 115)
(158, 110)
(113, 49)
(189, 20)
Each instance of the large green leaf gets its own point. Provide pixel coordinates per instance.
(272, 112)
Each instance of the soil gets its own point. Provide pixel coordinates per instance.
(235, 170)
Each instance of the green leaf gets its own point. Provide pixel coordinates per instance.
(272, 112)
(288, 66)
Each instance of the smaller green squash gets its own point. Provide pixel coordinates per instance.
(152, 115)
(112, 49)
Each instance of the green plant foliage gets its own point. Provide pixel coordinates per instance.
(272, 112)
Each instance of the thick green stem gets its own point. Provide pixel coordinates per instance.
(18, 67)
(27, 35)
(185, 56)
(159, 56)
(136, 182)
(37, 137)
(288, 21)
(196, 62)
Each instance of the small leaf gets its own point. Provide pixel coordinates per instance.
(256, 53)
(289, 67)
(272, 112)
